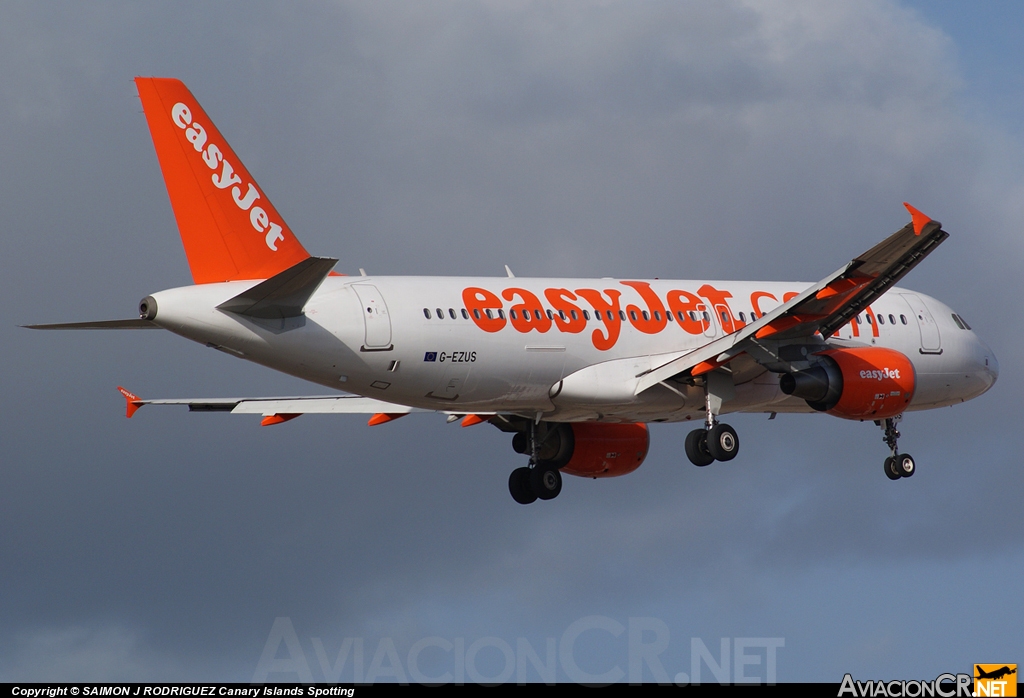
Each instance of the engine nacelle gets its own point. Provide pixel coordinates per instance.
(859, 383)
(591, 449)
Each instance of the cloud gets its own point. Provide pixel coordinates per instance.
(728, 140)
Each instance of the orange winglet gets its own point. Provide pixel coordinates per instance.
(383, 418)
(132, 402)
(919, 219)
(272, 419)
(473, 419)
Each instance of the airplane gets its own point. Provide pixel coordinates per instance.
(573, 369)
(995, 674)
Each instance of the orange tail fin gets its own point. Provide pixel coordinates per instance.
(229, 228)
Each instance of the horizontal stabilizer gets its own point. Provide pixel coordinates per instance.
(282, 295)
(133, 324)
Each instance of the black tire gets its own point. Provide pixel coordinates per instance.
(697, 448)
(520, 442)
(723, 444)
(890, 469)
(905, 465)
(546, 482)
(519, 486)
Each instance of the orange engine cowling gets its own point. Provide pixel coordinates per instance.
(859, 383)
(590, 449)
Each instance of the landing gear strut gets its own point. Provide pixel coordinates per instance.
(540, 479)
(898, 465)
(715, 441)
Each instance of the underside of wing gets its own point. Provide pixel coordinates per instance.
(276, 410)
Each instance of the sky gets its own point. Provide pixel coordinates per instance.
(728, 140)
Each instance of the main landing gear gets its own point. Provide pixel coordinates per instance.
(898, 465)
(541, 479)
(715, 441)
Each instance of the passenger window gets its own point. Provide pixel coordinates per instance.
(903, 319)
(892, 319)
(881, 320)
(501, 314)
(536, 313)
(646, 315)
(856, 319)
(476, 313)
(707, 318)
(668, 315)
(440, 314)
(586, 315)
(725, 316)
(426, 313)
(612, 317)
(575, 315)
(490, 315)
(451, 313)
(742, 317)
(551, 315)
(465, 314)
(657, 315)
(622, 314)
(512, 314)
(867, 317)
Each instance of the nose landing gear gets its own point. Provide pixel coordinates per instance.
(898, 465)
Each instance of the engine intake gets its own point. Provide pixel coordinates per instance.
(861, 383)
(591, 449)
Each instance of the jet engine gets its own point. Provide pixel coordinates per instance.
(858, 383)
(591, 449)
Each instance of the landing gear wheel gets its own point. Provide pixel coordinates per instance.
(519, 486)
(697, 448)
(546, 483)
(521, 443)
(890, 469)
(905, 465)
(723, 444)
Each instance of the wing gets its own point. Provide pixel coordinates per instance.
(824, 307)
(276, 410)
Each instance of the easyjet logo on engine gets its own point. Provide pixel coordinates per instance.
(893, 373)
(214, 158)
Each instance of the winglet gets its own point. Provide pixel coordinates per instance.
(132, 402)
(919, 219)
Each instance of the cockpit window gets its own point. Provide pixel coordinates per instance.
(960, 322)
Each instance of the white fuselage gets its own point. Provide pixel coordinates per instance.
(428, 342)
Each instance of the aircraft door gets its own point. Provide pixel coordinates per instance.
(375, 317)
(931, 340)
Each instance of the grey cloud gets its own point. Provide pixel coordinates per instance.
(732, 140)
